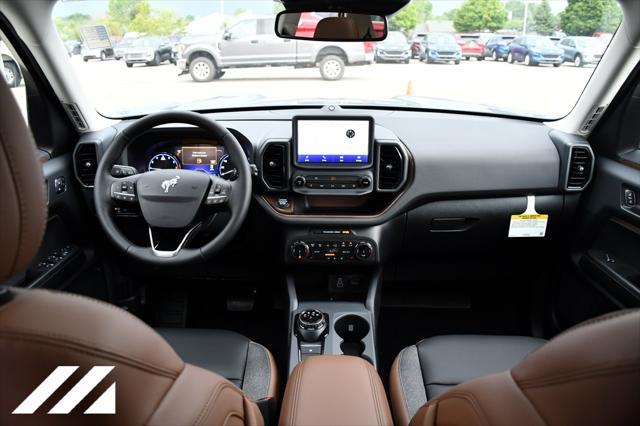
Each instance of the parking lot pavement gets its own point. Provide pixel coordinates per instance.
(543, 89)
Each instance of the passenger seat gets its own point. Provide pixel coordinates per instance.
(588, 375)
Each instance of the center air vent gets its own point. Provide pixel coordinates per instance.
(86, 163)
(580, 167)
(274, 166)
(391, 167)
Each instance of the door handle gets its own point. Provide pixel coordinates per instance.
(287, 40)
(254, 41)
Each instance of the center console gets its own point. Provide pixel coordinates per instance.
(333, 164)
(335, 390)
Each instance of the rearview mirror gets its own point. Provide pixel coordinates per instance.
(331, 26)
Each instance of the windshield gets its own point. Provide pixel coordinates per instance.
(395, 38)
(435, 38)
(224, 55)
(590, 43)
(540, 42)
(145, 42)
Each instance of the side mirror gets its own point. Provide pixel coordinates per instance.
(226, 35)
(331, 26)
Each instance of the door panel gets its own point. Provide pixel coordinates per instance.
(66, 247)
(610, 255)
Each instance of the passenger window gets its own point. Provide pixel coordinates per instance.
(244, 29)
(13, 74)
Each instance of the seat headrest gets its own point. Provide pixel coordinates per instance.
(23, 206)
(336, 28)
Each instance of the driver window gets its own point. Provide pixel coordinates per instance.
(244, 29)
(13, 74)
(266, 26)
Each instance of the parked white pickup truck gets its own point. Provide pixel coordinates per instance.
(9, 67)
(252, 43)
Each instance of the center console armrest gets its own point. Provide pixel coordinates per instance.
(332, 390)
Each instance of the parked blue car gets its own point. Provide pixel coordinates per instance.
(441, 47)
(535, 50)
(582, 50)
(498, 47)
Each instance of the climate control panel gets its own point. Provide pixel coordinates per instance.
(343, 250)
(332, 183)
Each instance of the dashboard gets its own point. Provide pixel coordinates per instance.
(337, 185)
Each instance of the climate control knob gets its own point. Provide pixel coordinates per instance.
(299, 250)
(363, 250)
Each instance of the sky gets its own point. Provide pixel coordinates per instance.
(205, 7)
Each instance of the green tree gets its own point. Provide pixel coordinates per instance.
(584, 17)
(513, 25)
(424, 8)
(448, 16)
(69, 26)
(156, 22)
(120, 13)
(239, 11)
(479, 15)
(544, 21)
(405, 20)
(516, 8)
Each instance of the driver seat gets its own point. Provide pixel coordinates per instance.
(208, 377)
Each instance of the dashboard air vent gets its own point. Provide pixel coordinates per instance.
(76, 116)
(86, 163)
(580, 165)
(390, 168)
(274, 166)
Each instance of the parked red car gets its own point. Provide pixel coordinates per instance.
(472, 45)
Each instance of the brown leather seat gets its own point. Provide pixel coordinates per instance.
(588, 375)
(43, 330)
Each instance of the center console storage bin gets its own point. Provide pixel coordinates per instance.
(335, 390)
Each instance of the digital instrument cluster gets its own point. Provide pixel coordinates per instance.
(211, 159)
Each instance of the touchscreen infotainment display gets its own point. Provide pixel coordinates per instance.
(333, 142)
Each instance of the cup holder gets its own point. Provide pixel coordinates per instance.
(352, 329)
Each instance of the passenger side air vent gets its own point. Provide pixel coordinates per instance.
(592, 119)
(580, 168)
(391, 167)
(86, 163)
(76, 116)
(274, 166)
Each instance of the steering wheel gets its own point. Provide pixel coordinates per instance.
(173, 199)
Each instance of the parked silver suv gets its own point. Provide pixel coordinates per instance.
(252, 43)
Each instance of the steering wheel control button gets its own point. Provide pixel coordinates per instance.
(123, 191)
(119, 171)
(218, 194)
